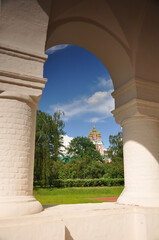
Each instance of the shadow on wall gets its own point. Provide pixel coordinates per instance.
(67, 234)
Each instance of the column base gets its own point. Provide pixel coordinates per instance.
(19, 206)
(129, 198)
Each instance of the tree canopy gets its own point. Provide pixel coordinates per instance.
(85, 162)
(115, 150)
(80, 147)
(48, 140)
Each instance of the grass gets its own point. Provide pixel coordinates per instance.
(57, 196)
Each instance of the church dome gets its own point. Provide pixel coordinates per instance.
(98, 134)
(90, 134)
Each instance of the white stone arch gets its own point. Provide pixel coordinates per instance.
(133, 110)
(125, 38)
(97, 40)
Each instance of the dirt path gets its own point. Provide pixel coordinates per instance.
(106, 199)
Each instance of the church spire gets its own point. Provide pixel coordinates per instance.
(94, 129)
(95, 137)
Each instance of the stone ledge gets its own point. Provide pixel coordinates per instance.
(21, 53)
(101, 221)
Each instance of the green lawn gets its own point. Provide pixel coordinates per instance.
(74, 195)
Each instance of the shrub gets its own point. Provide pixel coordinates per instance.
(98, 182)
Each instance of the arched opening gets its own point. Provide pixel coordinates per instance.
(80, 86)
(113, 49)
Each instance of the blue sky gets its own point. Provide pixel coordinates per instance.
(80, 85)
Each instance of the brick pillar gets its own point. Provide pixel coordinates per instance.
(17, 137)
(141, 161)
(137, 111)
(20, 92)
(23, 30)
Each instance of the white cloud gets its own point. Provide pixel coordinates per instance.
(71, 109)
(96, 119)
(104, 83)
(56, 48)
(99, 106)
(97, 97)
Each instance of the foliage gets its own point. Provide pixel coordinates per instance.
(80, 147)
(78, 168)
(48, 140)
(100, 182)
(57, 135)
(86, 162)
(115, 151)
(115, 169)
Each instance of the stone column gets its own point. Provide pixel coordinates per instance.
(23, 29)
(139, 119)
(17, 131)
(19, 96)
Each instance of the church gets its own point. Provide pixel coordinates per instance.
(95, 137)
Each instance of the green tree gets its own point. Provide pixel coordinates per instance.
(115, 169)
(85, 167)
(42, 150)
(48, 140)
(56, 135)
(81, 147)
(86, 160)
(115, 150)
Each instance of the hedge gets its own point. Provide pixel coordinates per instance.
(62, 183)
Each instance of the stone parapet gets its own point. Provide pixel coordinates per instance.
(81, 222)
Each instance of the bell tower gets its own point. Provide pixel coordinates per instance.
(95, 137)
